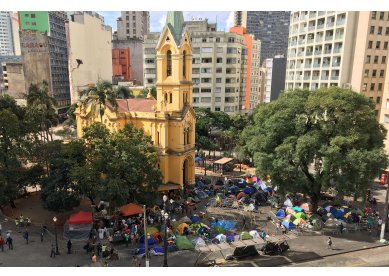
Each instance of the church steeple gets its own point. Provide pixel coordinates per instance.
(176, 21)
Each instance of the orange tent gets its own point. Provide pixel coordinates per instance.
(131, 209)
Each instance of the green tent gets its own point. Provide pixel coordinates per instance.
(220, 230)
(151, 230)
(300, 215)
(245, 236)
(183, 243)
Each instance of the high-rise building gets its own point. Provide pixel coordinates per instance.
(225, 67)
(45, 54)
(133, 24)
(274, 78)
(89, 50)
(345, 49)
(121, 65)
(270, 27)
(6, 34)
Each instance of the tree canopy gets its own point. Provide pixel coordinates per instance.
(309, 141)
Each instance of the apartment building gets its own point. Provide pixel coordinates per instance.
(133, 24)
(271, 27)
(88, 62)
(6, 34)
(13, 77)
(45, 53)
(225, 67)
(121, 65)
(274, 79)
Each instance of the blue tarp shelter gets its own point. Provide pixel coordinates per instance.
(280, 213)
(226, 224)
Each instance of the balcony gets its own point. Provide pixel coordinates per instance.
(311, 40)
(300, 54)
(320, 13)
(308, 65)
(304, 17)
(303, 30)
(326, 64)
(324, 77)
(315, 77)
(334, 77)
(330, 24)
(301, 41)
(335, 64)
(294, 32)
(312, 14)
(327, 51)
(293, 43)
(311, 28)
(340, 22)
(299, 65)
(337, 50)
(298, 77)
(319, 39)
(292, 55)
(307, 77)
(320, 26)
(309, 54)
(318, 52)
(328, 38)
(339, 36)
(316, 65)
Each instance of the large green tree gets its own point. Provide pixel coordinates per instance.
(123, 92)
(309, 141)
(98, 96)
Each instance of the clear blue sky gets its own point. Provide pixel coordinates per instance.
(158, 18)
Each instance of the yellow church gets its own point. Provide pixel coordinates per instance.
(170, 119)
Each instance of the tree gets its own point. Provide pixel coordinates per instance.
(41, 107)
(119, 167)
(310, 141)
(98, 96)
(123, 92)
(59, 192)
(143, 94)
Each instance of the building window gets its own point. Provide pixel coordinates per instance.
(184, 64)
(372, 86)
(33, 15)
(382, 14)
(168, 63)
(171, 98)
(218, 80)
(231, 39)
(364, 87)
(206, 49)
(368, 59)
(374, 73)
(371, 29)
(378, 100)
(370, 45)
(379, 30)
(204, 40)
(218, 39)
(387, 105)
(373, 15)
(366, 73)
(219, 60)
(378, 44)
(375, 59)
(385, 45)
(387, 31)
(382, 73)
(219, 70)
(380, 87)
(165, 97)
(383, 59)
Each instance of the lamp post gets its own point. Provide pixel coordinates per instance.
(165, 215)
(205, 163)
(56, 237)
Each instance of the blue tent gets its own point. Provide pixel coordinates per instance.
(225, 224)
(242, 184)
(195, 219)
(280, 213)
(198, 159)
(288, 225)
(151, 240)
(248, 191)
(338, 214)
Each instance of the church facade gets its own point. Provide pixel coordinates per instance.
(170, 119)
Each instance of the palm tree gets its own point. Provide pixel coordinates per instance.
(98, 95)
(123, 92)
(42, 107)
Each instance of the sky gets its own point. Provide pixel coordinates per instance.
(225, 19)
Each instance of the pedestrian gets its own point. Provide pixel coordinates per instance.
(329, 243)
(99, 249)
(244, 222)
(9, 241)
(52, 253)
(341, 227)
(25, 236)
(94, 258)
(42, 235)
(2, 243)
(69, 247)
(126, 238)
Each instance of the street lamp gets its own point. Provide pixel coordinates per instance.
(205, 163)
(56, 237)
(165, 215)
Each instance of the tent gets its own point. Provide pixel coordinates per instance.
(290, 210)
(288, 224)
(180, 228)
(248, 191)
(226, 224)
(198, 242)
(280, 213)
(306, 207)
(240, 195)
(220, 229)
(151, 230)
(221, 238)
(183, 243)
(254, 234)
(245, 236)
(78, 226)
(157, 237)
(297, 209)
(298, 221)
(198, 159)
(184, 220)
(130, 209)
(195, 219)
(288, 203)
(151, 240)
(300, 215)
(81, 218)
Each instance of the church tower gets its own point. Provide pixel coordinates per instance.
(174, 66)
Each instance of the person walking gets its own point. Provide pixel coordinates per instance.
(9, 241)
(2, 243)
(25, 236)
(69, 247)
(52, 253)
(94, 258)
(126, 238)
(42, 235)
(329, 243)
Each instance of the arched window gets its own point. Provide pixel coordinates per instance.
(169, 63)
(184, 64)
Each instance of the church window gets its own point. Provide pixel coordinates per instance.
(171, 97)
(184, 64)
(165, 97)
(169, 63)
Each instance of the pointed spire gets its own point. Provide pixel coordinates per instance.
(176, 20)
